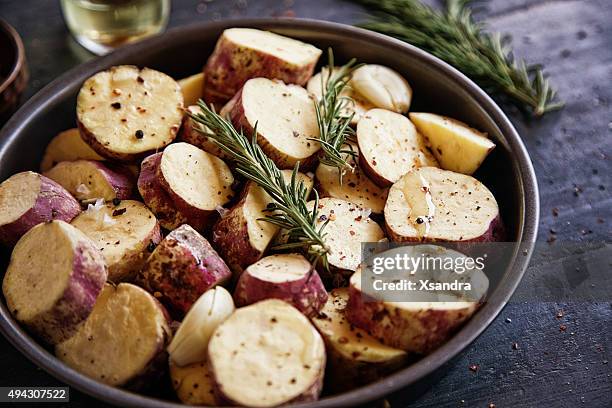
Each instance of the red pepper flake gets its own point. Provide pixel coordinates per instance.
(139, 79)
(359, 218)
(351, 232)
(343, 340)
(559, 314)
(474, 368)
(562, 328)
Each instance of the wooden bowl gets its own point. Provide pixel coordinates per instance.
(13, 70)
(440, 88)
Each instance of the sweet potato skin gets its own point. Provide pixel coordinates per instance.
(308, 294)
(239, 120)
(417, 331)
(63, 319)
(230, 66)
(494, 233)
(120, 178)
(53, 203)
(231, 239)
(154, 195)
(190, 135)
(181, 268)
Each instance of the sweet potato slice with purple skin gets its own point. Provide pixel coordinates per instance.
(27, 199)
(125, 233)
(154, 195)
(433, 205)
(425, 319)
(240, 236)
(265, 355)
(353, 356)
(288, 277)
(88, 179)
(197, 182)
(181, 268)
(244, 53)
(285, 118)
(390, 146)
(53, 279)
(123, 342)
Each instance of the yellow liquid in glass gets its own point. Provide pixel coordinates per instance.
(101, 25)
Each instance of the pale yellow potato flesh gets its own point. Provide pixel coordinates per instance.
(82, 179)
(33, 292)
(124, 332)
(352, 343)
(18, 194)
(285, 117)
(356, 187)
(114, 104)
(391, 145)
(280, 268)
(457, 146)
(266, 354)
(262, 232)
(288, 49)
(193, 383)
(446, 202)
(349, 225)
(67, 146)
(199, 178)
(191, 87)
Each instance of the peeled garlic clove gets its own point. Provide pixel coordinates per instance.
(191, 339)
(383, 87)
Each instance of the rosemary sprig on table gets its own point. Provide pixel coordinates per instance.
(289, 210)
(454, 37)
(332, 119)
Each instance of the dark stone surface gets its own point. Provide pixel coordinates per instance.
(557, 361)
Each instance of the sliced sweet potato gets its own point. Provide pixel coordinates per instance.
(67, 146)
(181, 268)
(356, 187)
(288, 277)
(193, 384)
(348, 226)
(430, 204)
(191, 87)
(125, 113)
(125, 234)
(185, 185)
(354, 357)
(53, 279)
(88, 179)
(457, 146)
(390, 146)
(425, 319)
(266, 354)
(123, 342)
(285, 118)
(191, 135)
(240, 236)
(245, 53)
(27, 199)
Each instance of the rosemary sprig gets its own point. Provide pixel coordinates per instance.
(332, 118)
(289, 210)
(456, 38)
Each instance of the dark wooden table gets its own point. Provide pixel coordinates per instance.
(540, 352)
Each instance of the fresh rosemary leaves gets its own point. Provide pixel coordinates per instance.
(289, 210)
(333, 118)
(454, 37)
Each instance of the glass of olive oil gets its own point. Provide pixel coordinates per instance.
(102, 25)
